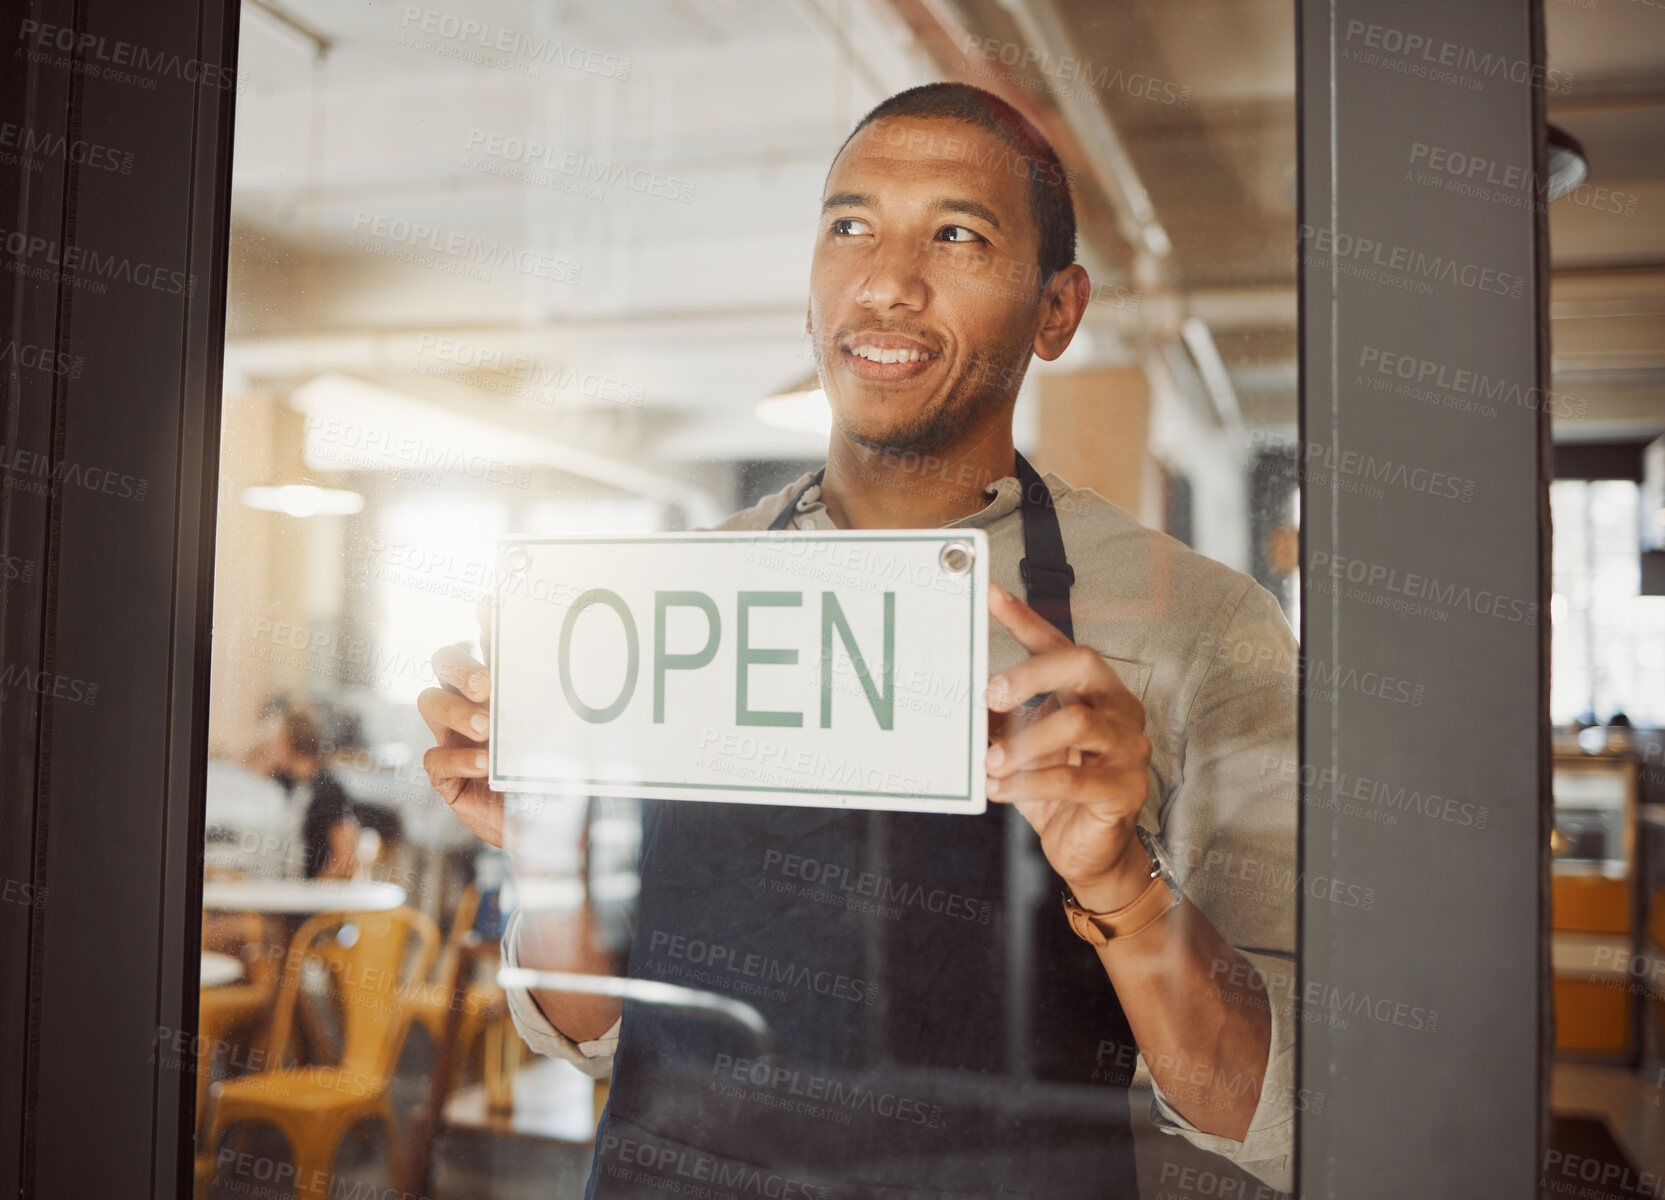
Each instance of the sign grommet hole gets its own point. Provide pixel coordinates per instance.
(955, 558)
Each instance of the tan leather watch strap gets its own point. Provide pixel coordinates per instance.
(1098, 928)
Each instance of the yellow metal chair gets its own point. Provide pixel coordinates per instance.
(314, 1106)
(236, 1007)
(1656, 971)
(478, 1002)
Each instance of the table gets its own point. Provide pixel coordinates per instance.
(299, 897)
(220, 969)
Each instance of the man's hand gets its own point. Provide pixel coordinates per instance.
(458, 713)
(551, 939)
(1076, 766)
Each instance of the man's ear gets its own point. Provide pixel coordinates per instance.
(809, 318)
(1063, 303)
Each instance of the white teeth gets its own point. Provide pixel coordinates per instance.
(874, 354)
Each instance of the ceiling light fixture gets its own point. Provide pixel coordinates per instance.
(304, 500)
(801, 412)
(1568, 166)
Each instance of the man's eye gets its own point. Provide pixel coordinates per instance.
(957, 233)
(845, 226)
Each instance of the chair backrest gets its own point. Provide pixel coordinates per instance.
(374, 970)
(462, 921)
(257, 954)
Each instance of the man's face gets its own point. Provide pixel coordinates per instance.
(924, 291)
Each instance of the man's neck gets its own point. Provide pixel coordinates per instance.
(865, 489)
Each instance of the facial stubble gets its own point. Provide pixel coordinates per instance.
(988, 380)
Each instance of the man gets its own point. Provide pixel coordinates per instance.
(324, 841)
(990, 1055)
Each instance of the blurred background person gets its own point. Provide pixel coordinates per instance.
(323, 841)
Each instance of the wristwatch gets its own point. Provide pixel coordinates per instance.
(1159, 898)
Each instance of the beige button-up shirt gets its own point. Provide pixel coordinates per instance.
(1209, 654)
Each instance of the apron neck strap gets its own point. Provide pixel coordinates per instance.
(783, 520)
(1045, 569)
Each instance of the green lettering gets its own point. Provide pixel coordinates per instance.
(745, 656)
(600, 716)
(662, 662)
(882, 699)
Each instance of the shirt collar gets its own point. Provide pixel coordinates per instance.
(1005, 495)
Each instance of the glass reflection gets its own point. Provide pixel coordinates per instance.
(538, 272)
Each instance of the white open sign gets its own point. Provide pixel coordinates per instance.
(837, 669)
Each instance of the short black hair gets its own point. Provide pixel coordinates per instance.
(1050, 202)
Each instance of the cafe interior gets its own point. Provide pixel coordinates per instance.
(394, 400)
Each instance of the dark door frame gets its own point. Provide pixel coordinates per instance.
(116, 214)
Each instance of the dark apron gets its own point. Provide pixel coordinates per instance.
(937, 1029)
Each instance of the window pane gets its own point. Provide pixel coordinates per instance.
(515, 269)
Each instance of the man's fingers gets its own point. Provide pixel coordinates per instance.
(455, 762)
(1078, 671)
(1033, 632)
(444, 710)
(1074, 726)
(1112, 791)
(456, 668)
(481, 810)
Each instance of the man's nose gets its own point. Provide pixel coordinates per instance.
(895, 280)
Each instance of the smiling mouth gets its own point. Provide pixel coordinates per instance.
(876, 354)
(887, 358)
